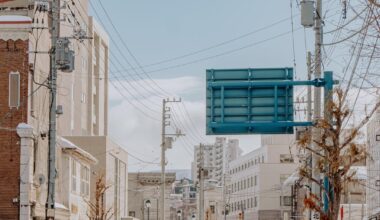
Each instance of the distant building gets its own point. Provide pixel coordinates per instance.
(373, 167)
(215, 158)
(183, 199)
(256, 178)
(146, 186)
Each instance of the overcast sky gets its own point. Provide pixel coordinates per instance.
(199, 35)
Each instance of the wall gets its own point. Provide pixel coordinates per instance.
(13, 57)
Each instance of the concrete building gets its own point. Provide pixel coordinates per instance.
(256, 178)
(146, 186)
(215, 158)
(373, 167)
(112, 164)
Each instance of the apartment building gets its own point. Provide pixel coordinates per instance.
(255, 189)
(215, 158)
(373, 167)
(145, 186)
(24, 104)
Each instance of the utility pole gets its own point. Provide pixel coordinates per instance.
(50, 207)
(224, 196)
(317, 91)
(201, 184)
(309, 113)
(166, 143)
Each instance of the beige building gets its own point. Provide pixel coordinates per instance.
(83, 98)
(373, 167)
(112, 163)
(255, 186)
(146, 186)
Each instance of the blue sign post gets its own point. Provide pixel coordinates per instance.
(253, 101)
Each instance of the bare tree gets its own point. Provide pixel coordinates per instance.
(97, 209)
(337, 150)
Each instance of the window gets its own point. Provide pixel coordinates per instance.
(286, 158)
(255, 180)
(132, 213)
(73, 175)
(378, 137)
(212, 208)
(286, 201)
(85, 181)
(255, 201)
(14, 89)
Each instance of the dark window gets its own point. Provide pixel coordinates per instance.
(378, 137)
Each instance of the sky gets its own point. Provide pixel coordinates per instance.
(175, 41)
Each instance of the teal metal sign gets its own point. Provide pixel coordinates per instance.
(254, 101)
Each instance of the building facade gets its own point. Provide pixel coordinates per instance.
(24, 102)
(112, 164)
(146, 186)
(255, 188)
(373, 167)
(183, 200)
(215, 158)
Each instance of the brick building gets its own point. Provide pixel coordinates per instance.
(14, 69)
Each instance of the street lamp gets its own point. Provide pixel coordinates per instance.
(148, 204)
(179, 214)
(193, 217)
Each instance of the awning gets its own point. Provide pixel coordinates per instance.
(68, 146)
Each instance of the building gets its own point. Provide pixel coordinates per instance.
(373, 167)
(112, 164)
(183, 199)
(74, 184)
(146, 186)
(24, 103)
(215, 158)
(255, 188)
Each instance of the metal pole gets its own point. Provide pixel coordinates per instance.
(148, 213)
(309, 113)
(317, 91)
(50, 203)
(201, 182)
(224, 197)
(349, 206)
(163, 130)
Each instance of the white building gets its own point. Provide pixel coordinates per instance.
(373, 167)
(75, 179)
(112, 164)
(215, 158)
(256, 178)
